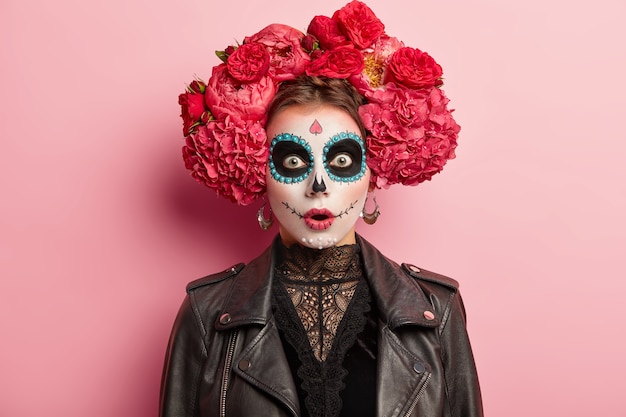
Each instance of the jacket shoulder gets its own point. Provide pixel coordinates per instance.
(429, 276)
(215, 278)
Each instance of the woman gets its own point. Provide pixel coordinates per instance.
(321, 324)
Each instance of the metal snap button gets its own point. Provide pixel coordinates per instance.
(418, 367)
(244, 365)
(414, 269)
(225, 318)
(428, 315)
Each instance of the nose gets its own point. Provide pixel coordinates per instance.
(318, 186)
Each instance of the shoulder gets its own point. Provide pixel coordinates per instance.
(215, 278)
(420, 275)
(442, 292)
(256, 267)
(426, 276)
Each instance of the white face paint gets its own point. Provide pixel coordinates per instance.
(317, 179)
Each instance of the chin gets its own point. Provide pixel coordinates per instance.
(318, 242)
(325, 240)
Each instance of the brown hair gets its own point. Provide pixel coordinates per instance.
(306, 90)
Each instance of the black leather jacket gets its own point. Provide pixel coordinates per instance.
(225, 356)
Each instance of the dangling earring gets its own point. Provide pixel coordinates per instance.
(370, 218)
(263, 222)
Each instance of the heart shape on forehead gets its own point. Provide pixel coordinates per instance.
(316, 128)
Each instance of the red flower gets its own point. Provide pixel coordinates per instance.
(310, 43)
(376, 62)
(327, 31)
(340, 62)
(249, 63)
(193, 109)
(414, 69)
(226, 96)
(359, 23)
(413, 135)
(411, 132)
(287, 57)
(229, 50)
(230, 157)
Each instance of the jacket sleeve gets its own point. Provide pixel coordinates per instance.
(184, 359)
(463, 390)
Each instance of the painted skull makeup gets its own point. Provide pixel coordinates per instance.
(318, 178)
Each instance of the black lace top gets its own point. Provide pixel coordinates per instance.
(323, 311)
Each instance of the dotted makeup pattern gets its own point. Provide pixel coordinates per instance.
(337, 138)
(290, 138)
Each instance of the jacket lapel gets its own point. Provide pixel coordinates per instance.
(400, 302)
(264, 364)
(396, 363)
(262, 360)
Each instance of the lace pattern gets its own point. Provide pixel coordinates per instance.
(320, 285)
(321, 301)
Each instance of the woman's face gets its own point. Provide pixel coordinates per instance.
(317, 179)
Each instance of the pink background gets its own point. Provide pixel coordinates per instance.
(101, 226)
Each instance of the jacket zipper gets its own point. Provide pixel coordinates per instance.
(417, 397)
(228, 363)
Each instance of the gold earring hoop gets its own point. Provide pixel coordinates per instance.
(370, 218)
(263, 222)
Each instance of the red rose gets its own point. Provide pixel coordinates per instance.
(229, 50)
(310, 43)
(249, 63)
(230, 157)
(414, 69)
(359, 23)
(341, 62)
(226, 96)
(283, 43)
(193, 109)
(327, 31)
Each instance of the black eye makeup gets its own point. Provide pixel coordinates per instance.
(291, 160)
(344, 157)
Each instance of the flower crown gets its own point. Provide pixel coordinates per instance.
(411, 132)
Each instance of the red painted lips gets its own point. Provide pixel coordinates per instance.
(318, 219)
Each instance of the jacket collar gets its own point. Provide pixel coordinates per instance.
(399, 299)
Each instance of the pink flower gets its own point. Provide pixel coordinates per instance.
(341, 62)
(376, 62)
(287, 57)
(384, 48)
(359, 23)
(327, 31)
(230, 157)
(412, 136)
(226, 96)
(249, 63)
(414, 69)
(193, 109)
